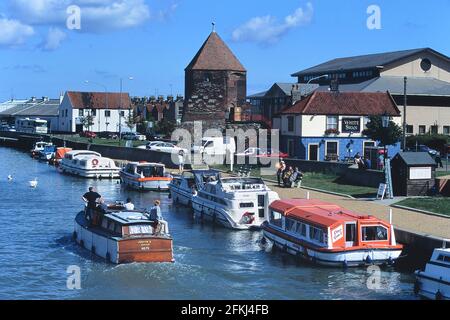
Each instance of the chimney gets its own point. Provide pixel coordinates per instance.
(296, 93)
(45, 99)
(334, 84)
(33, 99)
(61, 97)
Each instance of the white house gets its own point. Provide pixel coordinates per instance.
(109, 111)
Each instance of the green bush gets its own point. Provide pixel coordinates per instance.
(434, 141)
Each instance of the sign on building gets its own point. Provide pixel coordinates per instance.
(351, 125)
(420, 173)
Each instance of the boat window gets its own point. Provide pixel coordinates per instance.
(444, 258)
(83, 163)
(140, 229)
(130, 169)
(151, 172)
(290, 225)
(316, 234)
(350, 232)
(246, 205)
(374, 233)
(275, 218)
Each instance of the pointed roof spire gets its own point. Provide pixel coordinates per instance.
(215, 55)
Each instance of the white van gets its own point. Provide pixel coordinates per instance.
(215, 146)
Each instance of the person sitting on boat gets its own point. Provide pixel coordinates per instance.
(157, 218)
(129, 205)
(91, 198)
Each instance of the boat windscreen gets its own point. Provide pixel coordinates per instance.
(243, 181)
(151, 172)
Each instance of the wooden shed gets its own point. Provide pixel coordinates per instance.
(413, 174)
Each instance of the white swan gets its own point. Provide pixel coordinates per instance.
(33, 183)
(10, 178)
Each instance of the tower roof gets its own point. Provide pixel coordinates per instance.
(215, 55)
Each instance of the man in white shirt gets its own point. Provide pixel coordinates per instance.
(129, 206)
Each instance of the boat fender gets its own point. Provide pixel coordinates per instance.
(390, 261)
(263, 240)
(345, 264)
(108, 256)
(170, 196)
(74, 235)
(93, 249)
(368, 260)
(439, 295)
(82, 243)
(416, 287)
(285, 247)
(305, 252)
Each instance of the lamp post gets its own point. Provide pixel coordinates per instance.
(405, 102)
(120, 108)
(106, 100)
(317, 78)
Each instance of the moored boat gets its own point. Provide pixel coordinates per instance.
(38, 147)
(434, 281)
(236, 203)
(122, 236)
(330, 235)
(47, 154)
(59, 155)
(145, 176)
(88, 164)
(182, 187)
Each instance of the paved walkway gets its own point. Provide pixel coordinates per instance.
(403, 219)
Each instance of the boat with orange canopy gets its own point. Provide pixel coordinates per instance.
(146, 176)
(330, 235)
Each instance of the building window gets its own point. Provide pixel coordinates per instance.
(122, 113)
(434, 129)
(93, 112)
(446, 130)
(107, 113)
(332, 148)
(81, 112)
(422, 129)
(332, 122)
(67, 113)
(290, 120)
(409, 129)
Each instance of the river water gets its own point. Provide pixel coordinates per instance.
(36, 250)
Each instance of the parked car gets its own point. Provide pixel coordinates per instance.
(148, 145)
(215, 146)
(133, 136)
(424, 148)
(262, 153)
(88, 134)
(108, 135)
(165, 147)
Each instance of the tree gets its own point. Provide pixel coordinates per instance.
(386, 136)
(165, 127)
(88, 122)
(130, 121)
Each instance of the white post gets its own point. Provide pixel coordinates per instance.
(307, 196)
(231, 160)
(390, 216)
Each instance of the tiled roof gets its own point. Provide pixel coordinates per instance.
(215, 55)
(345, 103)
(98, 100)
(364, 61)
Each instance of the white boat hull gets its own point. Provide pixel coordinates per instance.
(180, 196)
(157, 185)
(90, 173)
(353, 258)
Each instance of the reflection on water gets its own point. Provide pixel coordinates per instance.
(211, 262)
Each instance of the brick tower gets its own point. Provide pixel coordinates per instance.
(215, 84)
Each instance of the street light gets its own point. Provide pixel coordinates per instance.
(120, 108)
(106, 100)
(317, 78)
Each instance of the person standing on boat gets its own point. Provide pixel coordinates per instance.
(156, 216)
(91, 198)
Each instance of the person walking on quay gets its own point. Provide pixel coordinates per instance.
(438, 160)
(287, 177)
(91, 198)
(181, 161)
(280, 172)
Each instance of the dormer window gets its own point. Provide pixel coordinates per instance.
(425, 64)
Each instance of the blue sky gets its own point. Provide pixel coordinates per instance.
(153, 41)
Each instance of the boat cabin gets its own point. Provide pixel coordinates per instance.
(328, 225)
(146, 170)
(72, 154)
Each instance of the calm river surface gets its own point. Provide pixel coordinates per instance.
(211, 263)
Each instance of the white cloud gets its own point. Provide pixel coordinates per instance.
(268, 30)
(96, 15)
(53, 40)
(13, 33)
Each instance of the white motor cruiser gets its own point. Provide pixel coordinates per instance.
(236, 203)
(89, 164)
(434, 281)
(182, 188)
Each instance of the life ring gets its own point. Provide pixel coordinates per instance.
(247, 218)
(94, 162)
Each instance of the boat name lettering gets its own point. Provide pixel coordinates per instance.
(338, 233)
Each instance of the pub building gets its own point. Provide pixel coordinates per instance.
(328, 126)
